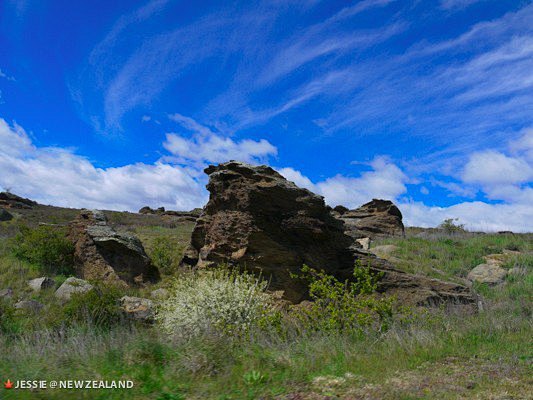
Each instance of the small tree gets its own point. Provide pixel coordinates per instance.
(450, 226)
(47, 247)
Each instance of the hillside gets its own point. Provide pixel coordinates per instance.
(425, 353)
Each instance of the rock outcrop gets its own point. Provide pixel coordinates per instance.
(72, 286)
(377, 218)
(258, 220)
(101, 253)
(10, 200)
(39, 284)
(138, 308)
(190, 215)
(5, 215)
(29, 306)
(491, 274)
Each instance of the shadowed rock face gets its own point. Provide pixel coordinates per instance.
(101, 253)
(10, 200)
(257, 219)
(5, 215)
(376, 218)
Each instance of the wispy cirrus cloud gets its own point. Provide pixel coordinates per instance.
(205, 145)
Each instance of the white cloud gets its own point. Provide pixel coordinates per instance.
(494, 168)
(385, 180)
(477, 216)
(524, 144)
(297, 177)
(57, 176)
(208, 146)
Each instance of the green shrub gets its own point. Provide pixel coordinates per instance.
(9, 323)
(47, 247)
(451, 226)
(162, 254)
(98, 308)
(344, 306)
(214, 301)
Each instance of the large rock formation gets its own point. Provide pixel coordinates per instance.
(101, 253)
(258, 220)
(10, 200)
(373, 219)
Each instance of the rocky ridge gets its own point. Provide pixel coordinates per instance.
(258, 220)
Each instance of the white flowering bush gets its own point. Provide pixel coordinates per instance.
(216, 300)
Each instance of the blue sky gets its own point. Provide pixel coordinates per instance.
(122, 104)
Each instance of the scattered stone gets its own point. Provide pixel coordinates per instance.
(377, 218)
(5, 215)
(138, 308)
(6, 293)
(73, 285)
(38, 284)
(364, 242)
(256, 219)
(101, 253)
(159, 294)
(29, 305)
(489, 273)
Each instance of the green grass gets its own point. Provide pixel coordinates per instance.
(453, 256)
(438, 356)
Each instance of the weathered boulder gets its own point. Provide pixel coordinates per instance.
(364, 242)
(38, 284)
(73, 285)
(258, 220)
(5, 215)
(6, 293)
(29, 305)
(377, 218)
(146, 210)
(490, 273)
(10, 200)
(138, 308)
(101, 253)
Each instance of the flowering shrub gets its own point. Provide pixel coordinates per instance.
(218, 300)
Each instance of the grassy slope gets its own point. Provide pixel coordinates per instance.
(485, 356)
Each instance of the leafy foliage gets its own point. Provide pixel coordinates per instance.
(47, 247)
(97, 308)
(451, 226)
(344, 306)
(162, 254)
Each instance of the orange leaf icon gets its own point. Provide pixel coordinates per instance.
(8, 384)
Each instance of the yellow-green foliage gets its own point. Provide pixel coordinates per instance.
(45, 246)
(162, 254)
(344, 306)
(97, 308)
(214, 301)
